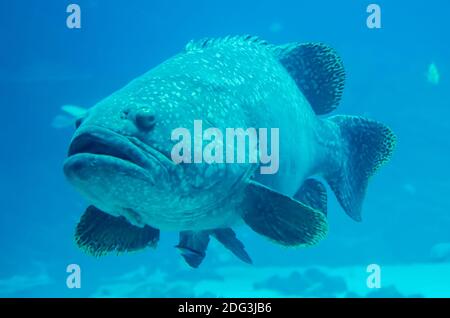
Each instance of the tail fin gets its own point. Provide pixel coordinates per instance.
(368, 144)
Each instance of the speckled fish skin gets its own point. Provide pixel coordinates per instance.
(232, 84)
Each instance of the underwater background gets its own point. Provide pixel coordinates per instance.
(398, 75)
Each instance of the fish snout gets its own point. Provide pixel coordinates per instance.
(145, 119)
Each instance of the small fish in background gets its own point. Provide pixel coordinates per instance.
(433, 74)
(71, 114)
(440, 252)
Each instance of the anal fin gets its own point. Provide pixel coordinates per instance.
(314, 194)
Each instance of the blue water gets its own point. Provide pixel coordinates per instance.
(44, 65)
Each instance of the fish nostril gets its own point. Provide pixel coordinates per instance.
(145, 119)
(124, 114)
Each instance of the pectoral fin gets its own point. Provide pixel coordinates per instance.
(99, 233)
(281, 218)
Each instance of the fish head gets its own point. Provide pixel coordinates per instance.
(120, 157)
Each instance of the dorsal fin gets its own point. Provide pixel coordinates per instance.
(318, 72)
(315, 67)
(194, 45)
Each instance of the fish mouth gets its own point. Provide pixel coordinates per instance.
(100, 142)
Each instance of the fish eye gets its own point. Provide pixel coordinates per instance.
(145, 118)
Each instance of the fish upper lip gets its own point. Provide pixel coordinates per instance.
(102, 141)
(163, 157)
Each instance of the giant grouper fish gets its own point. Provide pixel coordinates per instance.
(120, 156)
